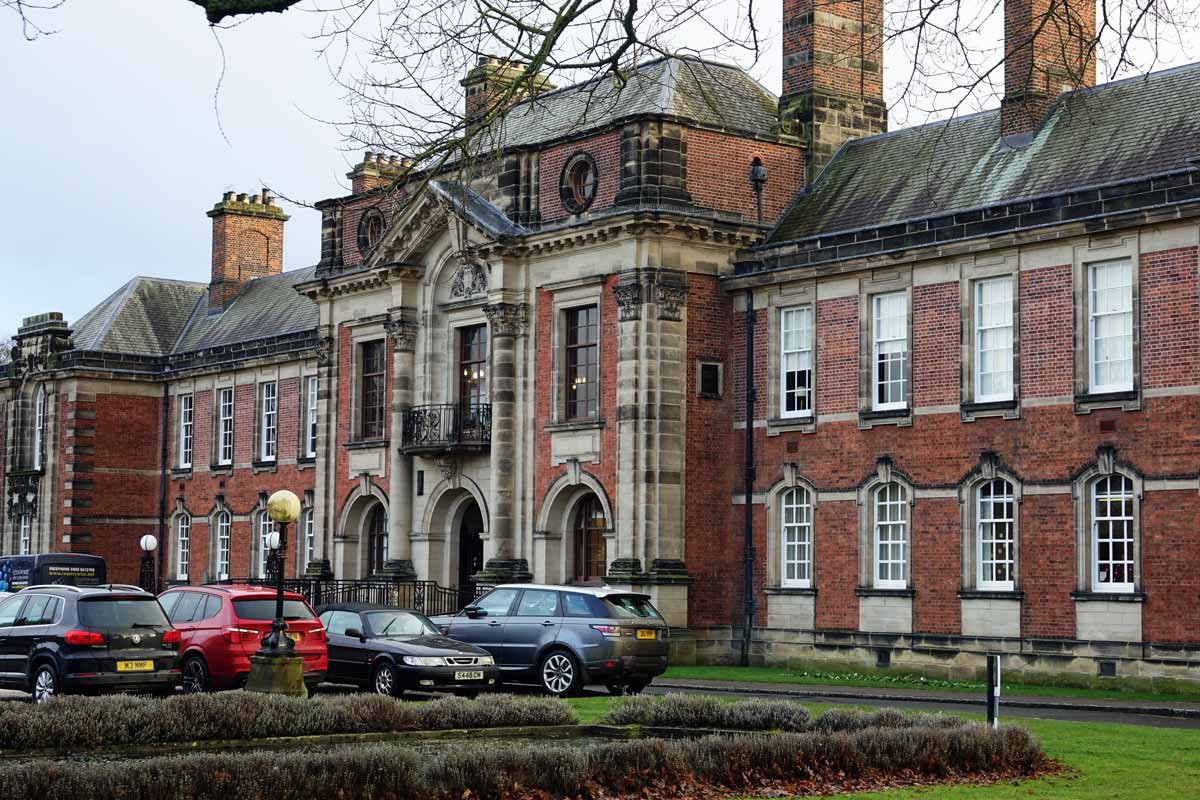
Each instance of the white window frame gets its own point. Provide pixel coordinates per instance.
(901, 524)
(1126, 493)
(310, 422)
(878, 343)
(39, 425)
(1093, 316)
(25, 542)
(796, 531)
(266, 526)
(804, 330)
(980, 332)
(224, 544)
(187, 421)
(225, 426)
(984, 517)
(183, 546)
(268, 421)
(310, 531)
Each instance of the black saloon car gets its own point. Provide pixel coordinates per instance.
(391, 651)
(57, 639)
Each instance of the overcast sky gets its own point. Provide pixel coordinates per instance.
(113, 151)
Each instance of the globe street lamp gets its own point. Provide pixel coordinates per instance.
(275, 668)
(146, 576)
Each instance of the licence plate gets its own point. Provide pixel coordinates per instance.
(295, 637)
(135, 666)
(645, 633)
(469, 676)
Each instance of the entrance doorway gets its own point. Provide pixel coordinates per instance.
(470, 549)
(591, 550)
(377, 536)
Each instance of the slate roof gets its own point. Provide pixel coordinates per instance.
(474, 206)
(265, 307)
(704, 91)
(1125, 130)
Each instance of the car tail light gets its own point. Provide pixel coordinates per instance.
(608, 630)
(172, 637)
(317, 635)
(84, 638)
(239, 635)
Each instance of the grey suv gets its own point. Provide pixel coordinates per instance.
(565, 637)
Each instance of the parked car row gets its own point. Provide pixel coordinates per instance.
(63, 639)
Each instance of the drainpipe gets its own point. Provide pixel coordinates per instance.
(748, 530)
(162, 487)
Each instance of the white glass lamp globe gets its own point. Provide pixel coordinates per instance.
(283, 506)
(148, 543)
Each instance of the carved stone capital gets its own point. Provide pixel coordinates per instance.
(324, 351)
(671, 298)
(506, 319)
(403, 333)
(629, 301)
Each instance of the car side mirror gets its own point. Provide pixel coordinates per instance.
(355, 633)
(475, 611)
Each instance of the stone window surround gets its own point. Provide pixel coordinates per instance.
(791, 479)
(263, 377)
(882, 281)
(1098, 249)
(791, 296)
(885, 473)
(41, 410)
(310, 389)
(214, 532)
(258, 552)
(223, 383)
(360, 335)
(180, 513)
(985, 266)
(178, 392)
(185, 456)
(566, 299)
(455, 322)
(297, 531)
(968, 499)
(1106, 464)
(704, 361)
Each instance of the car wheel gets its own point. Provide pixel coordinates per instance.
(195, 676)
(636, 688)
(615, 688)
(560, 674)
(45, 684)
(386, 681)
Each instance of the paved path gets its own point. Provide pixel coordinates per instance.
(1158, 714)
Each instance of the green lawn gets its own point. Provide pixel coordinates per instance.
(879, 679)
(1112, 762)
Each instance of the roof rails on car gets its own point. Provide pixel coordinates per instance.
(54, 586)
(124, 586)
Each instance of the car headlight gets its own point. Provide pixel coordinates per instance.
(486, 661)
(425, 661)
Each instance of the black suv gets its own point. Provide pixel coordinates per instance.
(56, 639)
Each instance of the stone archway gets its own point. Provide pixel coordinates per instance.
(456, 527)
(562, 536)
(361, 509)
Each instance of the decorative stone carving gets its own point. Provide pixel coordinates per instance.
(470, 280)
(448, 467)
(1106, 459)
(324, 351)
(506, 319)
(403, 333)
(22, 494)
(629, 301)
(671, 297)
(989, 465)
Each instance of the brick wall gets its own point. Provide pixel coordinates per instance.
(605, 149)
(1047, 335)
(1170, 352)
(936, 336)
(719, 169)
(837, 356)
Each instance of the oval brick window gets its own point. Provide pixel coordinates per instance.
(578, 182)
(370, 229)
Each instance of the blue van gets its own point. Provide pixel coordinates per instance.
(70, 569)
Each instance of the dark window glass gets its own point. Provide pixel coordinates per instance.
(578, 605)
(374, 389)
(498, 602)
(50, 615)
(591, 550)
(583, 362)
(538, 603)
(339, 622)
(472, 362)
(377, 552)
(168, 601)
(35, 609)
(186, 608)
(710, 380)
(630, 607)
(9, 610)
(121, 612)
(400, 624)
(264, 608)
(212, 605)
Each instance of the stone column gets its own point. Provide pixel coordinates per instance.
(506, 322)
(326, 353)
(403, 333)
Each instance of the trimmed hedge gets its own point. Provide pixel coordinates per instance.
(491, 771)
(80, 723)
(703, 711)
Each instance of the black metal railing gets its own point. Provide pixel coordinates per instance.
(447, 427)
(428, 597)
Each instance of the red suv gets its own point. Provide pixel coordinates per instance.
(222, 626)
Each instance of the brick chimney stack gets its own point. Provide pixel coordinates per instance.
(832, 75)
(247, 243)
(492, 76)
(1049, 49)
(377, 170)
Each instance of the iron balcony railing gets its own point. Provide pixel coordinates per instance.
(427, 597)
(447, 427)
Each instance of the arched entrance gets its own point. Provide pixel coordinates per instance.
(590, 547)
(376, 531)
(470, 547)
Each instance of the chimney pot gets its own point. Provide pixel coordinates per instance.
(241, 198)
(369, 157)
(227, 197)
(254, 200)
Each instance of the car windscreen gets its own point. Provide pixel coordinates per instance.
(121, 612)
(630, 606)
(264, 608)
(400, 624)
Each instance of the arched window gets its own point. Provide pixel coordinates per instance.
(891, 536)
(995, 530)
(39, 425)
(795, 514)
(224, 538)
(377, 536)
(1112, 534)
(183, 546)
(591, 549)
(266, 526)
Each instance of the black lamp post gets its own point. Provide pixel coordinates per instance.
(275, 668)
(146, 576)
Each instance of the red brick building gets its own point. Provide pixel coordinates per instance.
(946, 378)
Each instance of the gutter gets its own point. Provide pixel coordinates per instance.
(162, 486)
